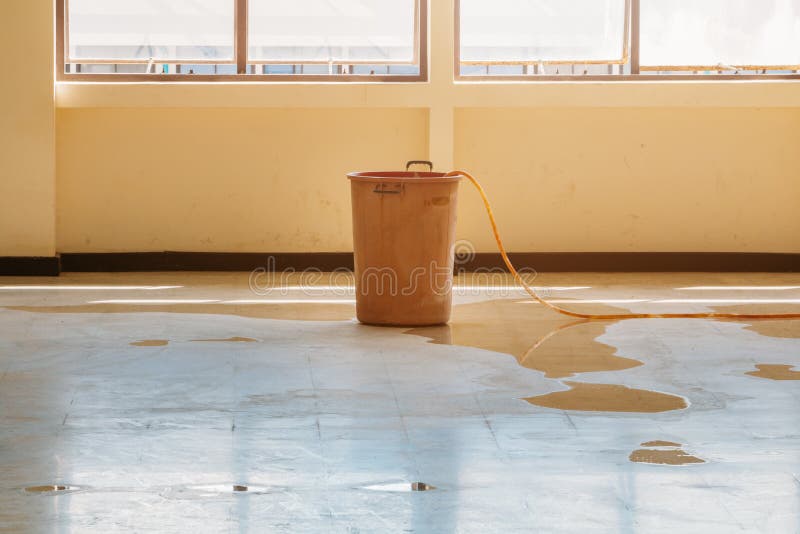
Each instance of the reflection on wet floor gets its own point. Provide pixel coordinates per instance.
(659, 443)
(217, 489)
(540, 339)
(163, 342)
(235, 339)
(295, 311)
(150, 343)
(668, 453)
(609, 398)
(555, 345)
(55, 488)
(775, 371)
(509, 326)
(782, 328)
(400, 487)
(774, 328)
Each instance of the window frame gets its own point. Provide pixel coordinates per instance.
(630, 45)
(240, 58)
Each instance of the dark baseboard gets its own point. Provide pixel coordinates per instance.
(29, 266)
(204, 261)
(734, 262)
(540, 261)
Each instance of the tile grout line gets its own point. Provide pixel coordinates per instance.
(400, 413)
(483, 412)
(330, 514)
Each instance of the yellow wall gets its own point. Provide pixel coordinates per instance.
(221, 180)
(632, 180)
(27, 137)
(561, 179)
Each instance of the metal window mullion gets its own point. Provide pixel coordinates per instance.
(62, 39)
(636, 17)
(240, 32)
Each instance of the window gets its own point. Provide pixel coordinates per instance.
(343, 35)
(543, 37)
(627, 39)
(386, 40)
(195, 40)
(720, 36)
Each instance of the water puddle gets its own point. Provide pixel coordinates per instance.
(235, 339)
(219, 489)
(556, 345)
(295, 311)
(150, 343)
(667, 453)
(401, 487)
(659, 443)
(788, 329)
(773, 371)
(163, 342)
(609, 398)
(782, 328)
(539, 339)
(51, 489)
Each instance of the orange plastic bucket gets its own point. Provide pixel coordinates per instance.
(403, 238)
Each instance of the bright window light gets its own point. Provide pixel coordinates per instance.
(164, 30)
(720, 32)
(86, 288)
(304, 31)
(544, 30)
(588, 301)
(458, 285)
(729, 301)
(668, 301)
(272, 39)
(153, 301)
(737, 288)
(291, 301)
(309, 288)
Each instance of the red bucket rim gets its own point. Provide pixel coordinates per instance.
(401, 176)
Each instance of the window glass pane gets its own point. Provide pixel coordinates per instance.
(144, 29)
(300, 31)
(280, 69)
(542, 30)
(404, 70)
(713, 32)
(370, 69)
(506, 70)
(312, 69)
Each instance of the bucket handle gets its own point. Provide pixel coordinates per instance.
(419, 162)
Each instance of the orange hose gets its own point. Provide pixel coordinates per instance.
(532, 292)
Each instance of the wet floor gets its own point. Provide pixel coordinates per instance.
(663, 453)
(558, 346)
(609, 398)
(278, 412)
(775, 372)
(150, 343)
